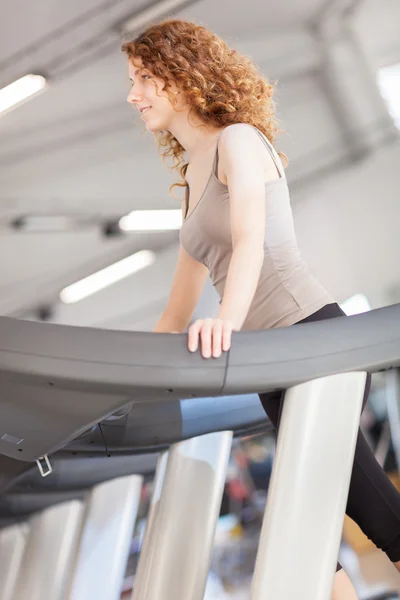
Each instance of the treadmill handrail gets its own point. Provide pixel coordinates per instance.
(159, 365)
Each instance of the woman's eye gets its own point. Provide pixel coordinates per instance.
(144, 76)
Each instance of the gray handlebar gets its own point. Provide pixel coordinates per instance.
(57, 381)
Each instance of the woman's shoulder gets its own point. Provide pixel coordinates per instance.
(237, 129)
(243, 143)
(241, 135)
(241, 139)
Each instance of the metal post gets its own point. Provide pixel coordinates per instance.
(307, 497)
(152, 527)
(180, 533)
(12, 545)
(106, 538)
(49, 553)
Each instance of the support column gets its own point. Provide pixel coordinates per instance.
(308, 492)
(12, 546)
(106, 538)
(50, 551)
(351, 87)
(149, 542)
(176, 554)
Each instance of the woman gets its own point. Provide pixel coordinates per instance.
(204, 100)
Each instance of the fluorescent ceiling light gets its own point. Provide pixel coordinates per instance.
(151, 220)
(355, 305)
(152, 13)
(106, 277)
(19, 91)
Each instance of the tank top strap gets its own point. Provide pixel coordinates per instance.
(272, 151)
(270, 148)
(185, 201)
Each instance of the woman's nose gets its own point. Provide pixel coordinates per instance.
(134, 96)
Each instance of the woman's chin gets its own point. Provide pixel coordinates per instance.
(151, 125)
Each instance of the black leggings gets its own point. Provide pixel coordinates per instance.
(373, 501)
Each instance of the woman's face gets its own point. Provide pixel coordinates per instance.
(149, 97)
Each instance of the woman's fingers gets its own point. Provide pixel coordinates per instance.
(227, 337)
(215, 337)
(206, 337)
(193, 335)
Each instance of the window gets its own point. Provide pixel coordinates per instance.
(388, 79)
(356, 304)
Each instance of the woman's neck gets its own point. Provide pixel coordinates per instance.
(195, 139)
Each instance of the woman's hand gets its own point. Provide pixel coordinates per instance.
(215, 336)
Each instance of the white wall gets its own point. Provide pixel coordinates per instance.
(348, 228)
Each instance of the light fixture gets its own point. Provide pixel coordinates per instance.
(355, 305)
(20, 91)
(106, 277)
(151, 220)
(155, 11)
(50, 223)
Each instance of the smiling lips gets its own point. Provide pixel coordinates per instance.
(144, 110)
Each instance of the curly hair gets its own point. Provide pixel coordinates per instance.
(221, 86)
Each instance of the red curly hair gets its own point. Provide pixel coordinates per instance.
(222, 86)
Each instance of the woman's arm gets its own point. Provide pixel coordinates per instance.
(242, 160)
(187, 285)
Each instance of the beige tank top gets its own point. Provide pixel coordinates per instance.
(287, 291)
